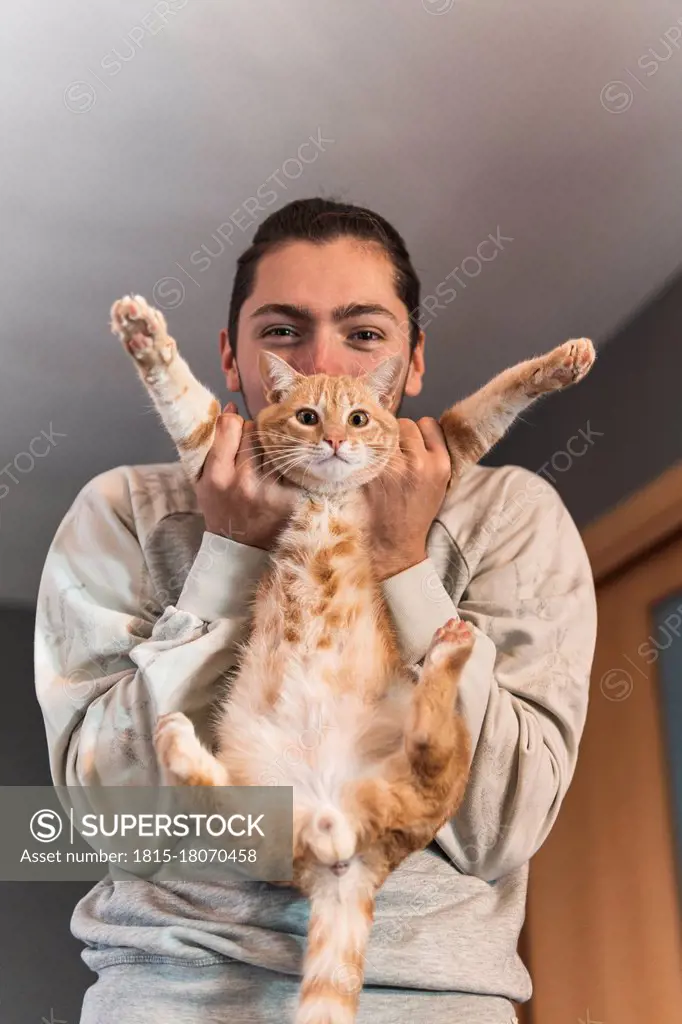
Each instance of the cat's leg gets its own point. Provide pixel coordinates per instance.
(431, 733)
(474, 425)
(435, 745)
(188, 409)
(423, 784)
(430, 770)
(437, 740)
(184, 760)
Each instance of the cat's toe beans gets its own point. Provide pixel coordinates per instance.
(579, 351)
(452, 639)
(454, 631)
(462, 633)
(119, 315)
(132, 314)
(140, 343)
(585, 354)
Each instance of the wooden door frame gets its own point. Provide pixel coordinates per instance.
(643, 521)
(649, 517)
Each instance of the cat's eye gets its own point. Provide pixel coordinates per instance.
(308, 417)
(358, 418)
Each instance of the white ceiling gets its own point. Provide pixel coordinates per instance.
(453, 118)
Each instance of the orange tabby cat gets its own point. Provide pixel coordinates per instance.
(393, 757)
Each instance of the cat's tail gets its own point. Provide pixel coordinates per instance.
(474, 425)
(341, 915)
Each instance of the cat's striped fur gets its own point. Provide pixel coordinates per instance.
(387, 755)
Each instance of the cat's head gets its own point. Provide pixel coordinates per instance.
(328, 434)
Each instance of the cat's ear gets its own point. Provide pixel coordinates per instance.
(277, 376)
(384, 381)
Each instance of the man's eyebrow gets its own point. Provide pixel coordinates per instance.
(284, 309)
(303, 313)
(354, 309)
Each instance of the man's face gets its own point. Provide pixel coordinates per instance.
(329, 308)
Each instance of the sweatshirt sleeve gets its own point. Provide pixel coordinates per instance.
(105, 667)
(524, 691)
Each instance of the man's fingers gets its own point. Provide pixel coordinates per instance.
(221, 458)
(438, 453)
(249, 461)
(410, 448)
(411, 440)
(423, 446)
(432, 432)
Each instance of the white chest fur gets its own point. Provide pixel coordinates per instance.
(317, 681)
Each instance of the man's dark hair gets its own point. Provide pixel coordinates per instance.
(325, 220)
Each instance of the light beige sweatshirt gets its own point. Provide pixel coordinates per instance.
(125, 632)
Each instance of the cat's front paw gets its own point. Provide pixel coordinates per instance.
(142, 330)
(564, 365)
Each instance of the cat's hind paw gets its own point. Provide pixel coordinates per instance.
(451, 642)
(142, 330)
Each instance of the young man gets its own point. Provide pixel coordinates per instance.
(144, 596)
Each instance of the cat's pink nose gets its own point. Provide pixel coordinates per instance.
(334, 442)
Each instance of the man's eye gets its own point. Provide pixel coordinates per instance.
(358, 418)
(279, 332)
(366, 334)
(308, 417)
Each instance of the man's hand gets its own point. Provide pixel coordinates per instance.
(236, 499)
(405, 499)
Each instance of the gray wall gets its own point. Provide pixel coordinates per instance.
(632, 401)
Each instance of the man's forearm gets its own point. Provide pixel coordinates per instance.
(419, 604)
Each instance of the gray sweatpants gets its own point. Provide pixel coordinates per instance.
(160, 993)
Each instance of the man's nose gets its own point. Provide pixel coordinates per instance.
(325, 355)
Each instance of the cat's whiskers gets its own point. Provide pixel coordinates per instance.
(281, 467)
(391, 473)
(390, 469)
(283, 453)
(281, 433)
(265, 454)
(293, 462)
